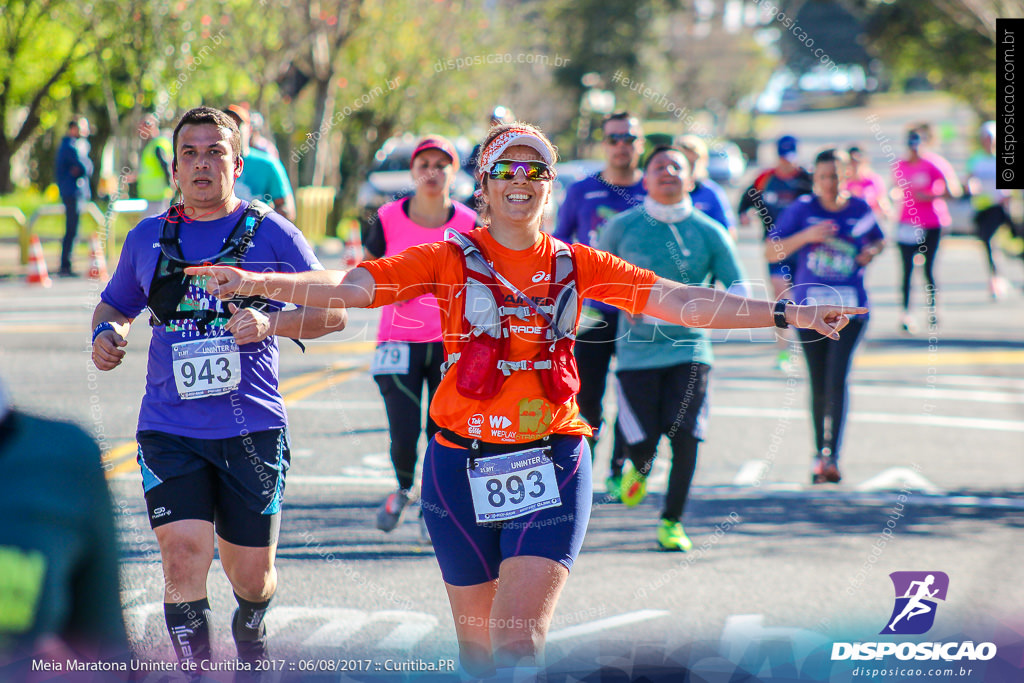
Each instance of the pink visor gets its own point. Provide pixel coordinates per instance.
(439, 143)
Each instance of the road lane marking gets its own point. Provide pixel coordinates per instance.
(986, 381)
(752, 473)
(123, 455)
(322, 384)
(943, 358)
(949, 421)
(337, 625)
(925, 392)
(808, 493)
(747, 643)
(342, 347)
(778, 490)
(899, 478)
(127, 464)
(605, 624)
(286, 385)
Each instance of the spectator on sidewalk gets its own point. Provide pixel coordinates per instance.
(153, 182)
(73, 172)
(262, 177)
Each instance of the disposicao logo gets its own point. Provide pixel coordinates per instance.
(917, 594)
(913, 613)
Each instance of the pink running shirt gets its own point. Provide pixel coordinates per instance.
(922, 176)
(415, 320)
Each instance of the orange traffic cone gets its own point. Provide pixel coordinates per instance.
(97, 262)
(37, 274)
(353, 249)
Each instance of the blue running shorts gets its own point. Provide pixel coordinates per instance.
(236, 483)
(469, 552)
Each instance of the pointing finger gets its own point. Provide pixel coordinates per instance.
(853, 310)
(199, 270)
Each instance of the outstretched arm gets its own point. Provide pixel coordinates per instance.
(315, 288)
(706, 307)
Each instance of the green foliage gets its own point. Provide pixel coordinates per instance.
(354, 72)
(430, 75)
(600, 36)
(913, 38)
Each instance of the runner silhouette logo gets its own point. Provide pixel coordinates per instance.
(917, 594)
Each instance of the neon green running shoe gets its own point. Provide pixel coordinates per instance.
(613, 487)
(634, 487)
(672, 537)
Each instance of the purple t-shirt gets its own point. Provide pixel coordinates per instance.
(588, 205)
(256, 404)
(828, 272)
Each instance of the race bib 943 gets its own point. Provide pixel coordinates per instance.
(206, 367)
(512, 485)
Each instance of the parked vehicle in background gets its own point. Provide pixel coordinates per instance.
(390, 177)
(726, 163)
(568, 172)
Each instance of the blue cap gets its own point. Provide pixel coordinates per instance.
(787, 147)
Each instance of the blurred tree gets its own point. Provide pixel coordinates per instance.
(706, 63)
(602, 37)
(314, 41)
(125, 75)
(824, 32)
(439, 66)
(40, 43)
(950, 42)
(694, 60)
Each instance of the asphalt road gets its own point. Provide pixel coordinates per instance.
(933, 481)
(936, 417)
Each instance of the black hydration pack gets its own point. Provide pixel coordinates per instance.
(170, 284)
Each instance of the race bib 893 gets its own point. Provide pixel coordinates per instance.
(512, 485)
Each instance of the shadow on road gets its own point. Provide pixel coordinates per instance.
(614, 528)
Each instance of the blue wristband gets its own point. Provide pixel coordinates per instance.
(101, 328)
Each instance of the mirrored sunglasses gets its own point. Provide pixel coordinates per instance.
(506, 169)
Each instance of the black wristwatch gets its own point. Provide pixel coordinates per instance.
(779, 312)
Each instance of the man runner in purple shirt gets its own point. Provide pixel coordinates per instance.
(212, 432)
(588, 204)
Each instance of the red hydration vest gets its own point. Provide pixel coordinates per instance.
(482, 363)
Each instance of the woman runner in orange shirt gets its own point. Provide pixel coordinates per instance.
(507, 482)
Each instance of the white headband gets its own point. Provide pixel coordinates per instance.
(511, 138)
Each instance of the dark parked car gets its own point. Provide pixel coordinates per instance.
(390, 178)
